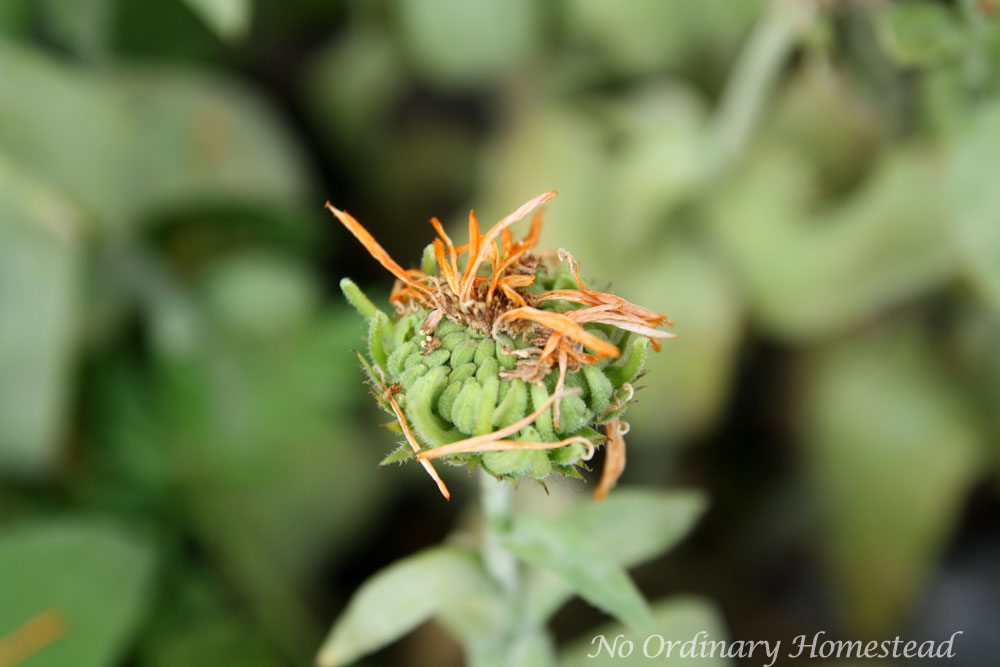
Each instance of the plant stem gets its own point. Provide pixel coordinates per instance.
(497, 499)
(752, 80)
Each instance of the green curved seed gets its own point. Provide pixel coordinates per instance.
(567, 455)
(466, 406)
(513, 406)
(488, 368)
(414, 359)
(504, 390)
(484, 351)
(507, 361)
(463, 372)
(450, 341)
(487, 404)
(436, 358)
(406, 326)
(633, 359)
(520, 462)
(446, 327)
(410, 375)
(600, 390)
(394, 364)
(447, 400)
(463, 353)
(573, 414)
(544, 422)
(379, 329)
(428, 263)
(422, 396)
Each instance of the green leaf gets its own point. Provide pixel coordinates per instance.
(197, 621)
(640, 36)
(269, 478)
(362, 59)
(573, 556)
(90, 578)
(203, 137)
(630, 527)
(459, 42)
(260, 296)
(809, 274)
(891, 449)
(399, 598)
(688, 382)
(230, 19)
(922, 33)
(143, 139)
(528, 648)
(40, 262)
(81, 25)
(85, 158)
(679, 618)
(973, 201)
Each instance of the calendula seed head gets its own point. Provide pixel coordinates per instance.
(500, 357)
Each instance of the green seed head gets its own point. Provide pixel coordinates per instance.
(452, 385)
(502, 359)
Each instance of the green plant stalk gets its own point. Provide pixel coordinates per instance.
(497, 498)
(521, 640)
(752, 80)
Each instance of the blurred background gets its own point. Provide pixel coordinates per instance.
(187, 453)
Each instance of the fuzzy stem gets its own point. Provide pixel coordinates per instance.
(497, 499)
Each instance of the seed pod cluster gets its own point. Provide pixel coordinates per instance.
(501, 358)
(450, 388)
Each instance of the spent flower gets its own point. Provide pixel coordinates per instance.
(499, 356)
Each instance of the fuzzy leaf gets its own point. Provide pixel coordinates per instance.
(562, 549)
(80, 25)
(460, 43)
(399, 598)
(892, 480)
(230, 19)
(974, 204)
(922, 33)
(90, 578)
(527, 649)
(630, 527)
(677, 618)
(40, 267)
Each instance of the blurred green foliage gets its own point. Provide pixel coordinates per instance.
(187, 457)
